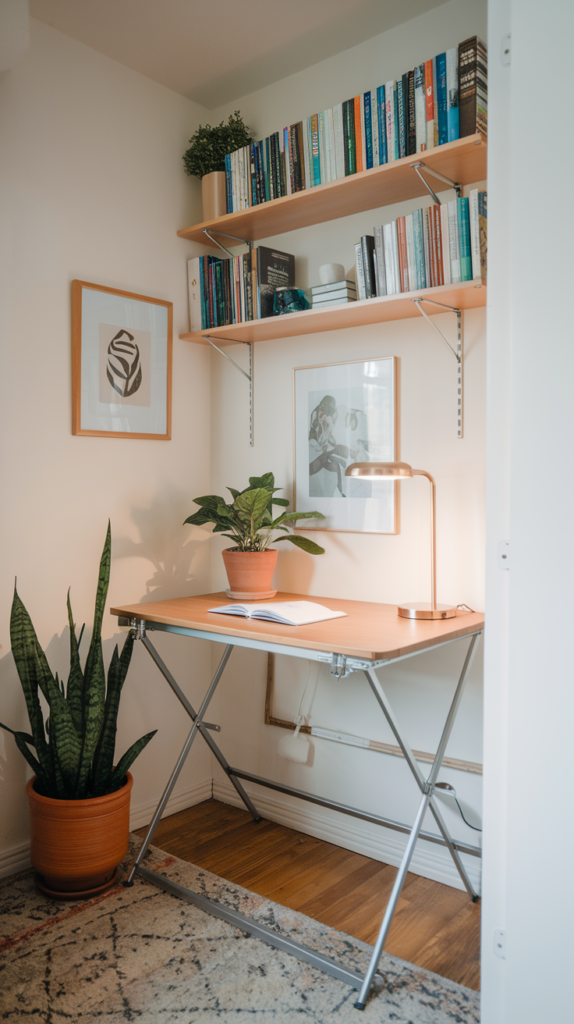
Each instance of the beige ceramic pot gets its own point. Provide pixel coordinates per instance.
(213, 191)
(250, 574)
(77, 845)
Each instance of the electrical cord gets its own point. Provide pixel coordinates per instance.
(464, 819)
(448, 790)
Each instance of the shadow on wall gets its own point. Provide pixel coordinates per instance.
(165, 543)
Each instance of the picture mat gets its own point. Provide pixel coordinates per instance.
(345, 413)
(121, 416)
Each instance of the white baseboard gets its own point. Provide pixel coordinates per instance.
(196, 794)
(429, 860)
(18, 857)
(14, 860)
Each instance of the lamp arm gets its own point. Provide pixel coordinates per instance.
(422, 472)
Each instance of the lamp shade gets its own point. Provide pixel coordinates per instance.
(379, 470)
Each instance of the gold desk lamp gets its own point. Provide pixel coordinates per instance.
(399, 471)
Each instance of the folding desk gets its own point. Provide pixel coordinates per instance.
(371, 637)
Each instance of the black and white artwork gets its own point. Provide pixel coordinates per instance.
(345, 413)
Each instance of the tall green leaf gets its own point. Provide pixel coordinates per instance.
(104, 755)
(75, 687)
(24, 646)
(63, 736)
(128, 759)
(94, 674)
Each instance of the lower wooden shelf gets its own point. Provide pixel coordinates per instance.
(467, 295)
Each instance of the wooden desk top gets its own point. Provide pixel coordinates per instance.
(373, 632)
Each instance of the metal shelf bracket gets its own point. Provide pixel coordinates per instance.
(225, 235)
(458, 355)
(435, 174)
(249, 376)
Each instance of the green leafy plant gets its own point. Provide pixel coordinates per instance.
(75, 746)
(210, 145)
(248, 519)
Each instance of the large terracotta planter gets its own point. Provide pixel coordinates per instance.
(250, 574)
(77, 845)
(213, 195)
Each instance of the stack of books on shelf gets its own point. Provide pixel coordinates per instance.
(440, 100)
(334, 294)
(434, 246)
(234, 290)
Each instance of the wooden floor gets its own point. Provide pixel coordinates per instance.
(434, 926)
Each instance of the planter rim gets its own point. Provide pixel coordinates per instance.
(86, 802)
(238, 551)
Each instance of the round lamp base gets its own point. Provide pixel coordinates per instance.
(424, 610)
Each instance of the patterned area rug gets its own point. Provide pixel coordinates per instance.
(142, 955)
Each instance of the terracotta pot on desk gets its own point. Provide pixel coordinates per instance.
(77, 845)
(250, 573)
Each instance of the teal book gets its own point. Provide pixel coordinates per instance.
(464, 240)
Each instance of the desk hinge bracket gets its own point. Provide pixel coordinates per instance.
(435, 174)
(138, 628)
(458, 355)
(339, 667)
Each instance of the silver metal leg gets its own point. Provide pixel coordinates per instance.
(426, 786)
(202, 728)
(180, 762)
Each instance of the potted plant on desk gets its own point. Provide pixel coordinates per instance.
(79, 801)
(205, 159)
(248, 521)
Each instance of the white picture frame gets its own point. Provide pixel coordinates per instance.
(345, 413)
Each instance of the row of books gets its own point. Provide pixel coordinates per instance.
(433, 246)
(234, 290)
(440, 100)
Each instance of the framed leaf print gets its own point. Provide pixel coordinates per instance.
(121, 363)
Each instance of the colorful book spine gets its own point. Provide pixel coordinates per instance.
(368, 130)
(315, 158)
(441, 98)
(474, 232)
(445, 243)
(382, 122)
(429, 99)
(339, 140)
(412, 137)
(452, 113)
(454, 242)
(390, 119)
(401, 127)
(359, 160)
(464, 240)
(482, 225)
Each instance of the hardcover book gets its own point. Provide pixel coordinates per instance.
(275, 269)
(472, 86)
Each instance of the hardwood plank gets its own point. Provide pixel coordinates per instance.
(434, 926)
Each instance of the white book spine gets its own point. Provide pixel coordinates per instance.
(411, 258)
(361, 290)
(453, 242)
(194, 292)
(388, 249)
(396, 264)
(420, 109)
(445, 243)
(339, 141)
(381, 276)
(390, 119)
(474, 232)
(322, 153)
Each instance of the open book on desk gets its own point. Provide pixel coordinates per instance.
(288, 613)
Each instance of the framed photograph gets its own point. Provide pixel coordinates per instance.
(121, 363)
(344, 413)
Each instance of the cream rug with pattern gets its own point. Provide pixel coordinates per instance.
(142, 955)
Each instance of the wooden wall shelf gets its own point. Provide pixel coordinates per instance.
(468, 295)
(463, 161)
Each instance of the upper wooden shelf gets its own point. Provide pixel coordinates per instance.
(463, 161)
(468, 295)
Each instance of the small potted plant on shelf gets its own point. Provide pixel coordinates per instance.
(79, 799)
(205, 159)
(248, 521)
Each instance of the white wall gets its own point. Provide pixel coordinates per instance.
(530, 697)
(374, 568)
(93, 187)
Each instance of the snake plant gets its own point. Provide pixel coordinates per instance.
(74, 748)
(248, 519)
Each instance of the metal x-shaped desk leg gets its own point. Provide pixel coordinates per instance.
(198, 726)
(426, 787)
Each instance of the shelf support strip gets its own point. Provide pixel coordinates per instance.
(250, 376)
(458, 355)
(435, 174)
